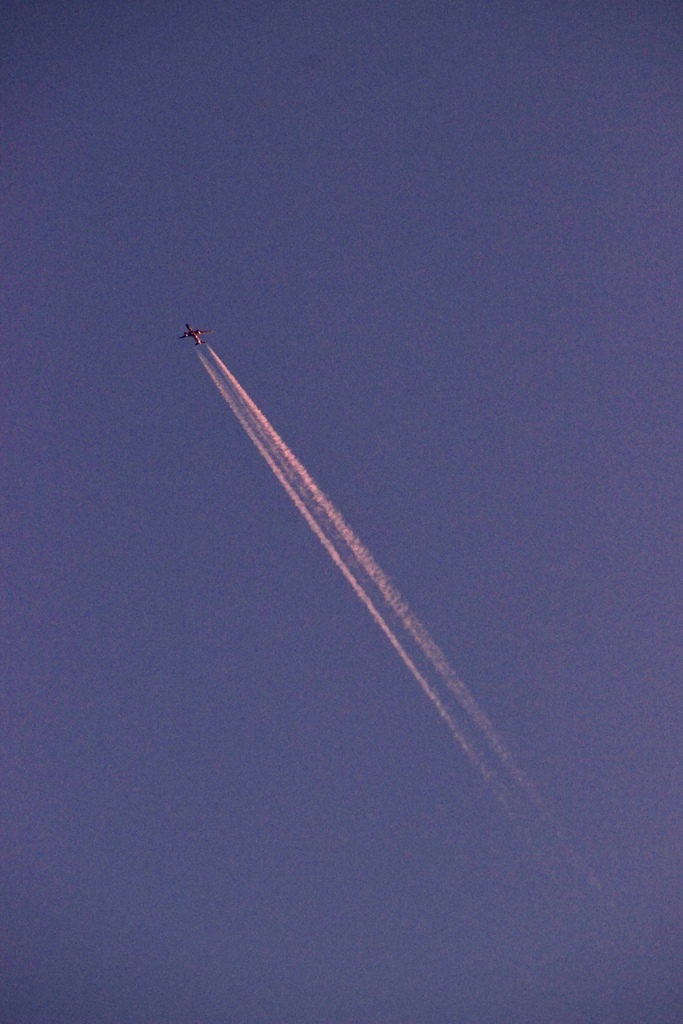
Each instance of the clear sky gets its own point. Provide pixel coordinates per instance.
(440, 244)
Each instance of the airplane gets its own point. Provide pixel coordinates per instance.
(192, 332)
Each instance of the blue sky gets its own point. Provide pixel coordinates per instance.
(440, 246)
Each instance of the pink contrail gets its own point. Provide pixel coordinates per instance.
(354, 560)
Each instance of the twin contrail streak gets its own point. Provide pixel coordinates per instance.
(409, 638)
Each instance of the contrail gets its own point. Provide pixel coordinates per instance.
(473, 731)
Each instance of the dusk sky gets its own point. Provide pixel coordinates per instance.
(441, 246)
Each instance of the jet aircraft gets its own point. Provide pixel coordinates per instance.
(192, 332)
